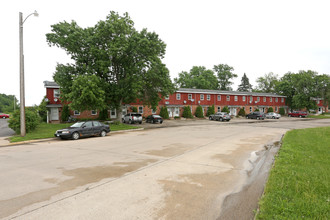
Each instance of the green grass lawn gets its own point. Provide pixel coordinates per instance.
(47, 131)
(299, 183)
(319, 116)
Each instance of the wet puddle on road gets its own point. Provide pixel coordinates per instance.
(80, 177)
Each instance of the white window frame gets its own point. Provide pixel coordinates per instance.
(140, 109)
(167, 97)
(258, 99)
(228, 97)
(208, 97)
(244, 98)
(153, 111)
(276, 99)
(189, 96)
(95, 112)
(250, 109)
(113, 113)
(57, 93)
(178, 96)
(76, 112)
(219, 97)
(219, 108)
(264, 98)
(271, 99)
(236, 98)
(275, 108)
(282, 100)
(251, 98)
(202, 96)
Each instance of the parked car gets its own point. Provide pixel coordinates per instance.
(220, 116)
(83, 129)
(299, 114)
(256, 115)
(273, 115)
(154, 119)
(132, 117)
(3, 115)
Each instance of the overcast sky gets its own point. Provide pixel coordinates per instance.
(254, 37)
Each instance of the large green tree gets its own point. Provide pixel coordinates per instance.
(267, 83)
(225, 76)
(113, 61)
(8, 103)
(245, 85)
(199, 78)
(301, 89)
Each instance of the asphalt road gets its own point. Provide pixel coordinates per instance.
(5, 131)
(207, 170)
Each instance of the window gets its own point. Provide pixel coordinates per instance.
(251, 99)
(96, 123)
(89, 124)
(153, 111)
(208, 97)
(275, 108)
(258, 99)
(167, 97)
(189, 96)
(282, 100)
(270, 99)
(141, 109)
(219, 97)
(113, 112)
(178, 96)
(177, 111)
(250, 109)
(202, 97)
(276, 99)
(243, 98)
(318, 101)
(76, 112)
(236, 98)
(56, 93)
(264, 99)
(219, 109)
(228, 98)
(94, 112)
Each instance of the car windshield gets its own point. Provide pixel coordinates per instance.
(137, 115)
(77, 125)
(156, 116)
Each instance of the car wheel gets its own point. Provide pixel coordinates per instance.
(161, 122)
(221, 119)
(273, 117)
(247, 117)
(258, 118)
(103, 133)
(130, 122)
(140, 122)
(4, 117)
(210, 118)
(75, 136)
(289, 115)
(300, 116)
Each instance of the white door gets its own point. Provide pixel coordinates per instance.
(170, 112)
(54, 114)
(232, 111)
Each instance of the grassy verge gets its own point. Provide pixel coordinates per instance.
(47, 131)
(298, 185)
(319, 116)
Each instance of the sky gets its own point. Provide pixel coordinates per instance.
(254, 37)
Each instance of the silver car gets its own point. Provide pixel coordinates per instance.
(220, 116)
(132, 117)
(273, 115)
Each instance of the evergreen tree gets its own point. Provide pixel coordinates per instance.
(164, 113)
(210, 111)
(245, 85)
(65, 113)
(199, 112)
(187, 112)
(225, 109)
(270, 109)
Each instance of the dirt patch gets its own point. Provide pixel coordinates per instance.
(169, 150)
(80, 177)
(241, 205)
(193, 196)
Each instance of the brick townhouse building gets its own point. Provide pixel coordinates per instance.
(175, 102)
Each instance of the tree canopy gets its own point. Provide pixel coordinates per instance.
(7, 103)
(245, 85)
(113, 63)
(199, 78)
(267, 83)
(225, 75)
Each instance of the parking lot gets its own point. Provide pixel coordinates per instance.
(189, 169)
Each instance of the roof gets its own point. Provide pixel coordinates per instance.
(49, 84)
(223, 92)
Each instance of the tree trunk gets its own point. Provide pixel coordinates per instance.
(119, 111)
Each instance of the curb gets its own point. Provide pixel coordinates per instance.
(54, 138)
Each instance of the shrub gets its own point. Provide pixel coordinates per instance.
(134, 109)
(65, 113)
(164, 113)
(199, 112)
(177, 117)
(32, 120)
(270, 109)
(257, 110)
(225, 109)
(282, 111)
(210, 111)
(103, 115)
(241, 112)
(42, 110)
(187, 112)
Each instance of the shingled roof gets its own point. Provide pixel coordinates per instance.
(49, 84)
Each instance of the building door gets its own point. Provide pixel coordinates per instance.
(170, 112)
(54, 114)
(232, 111)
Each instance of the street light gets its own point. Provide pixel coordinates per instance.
(21, 68)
